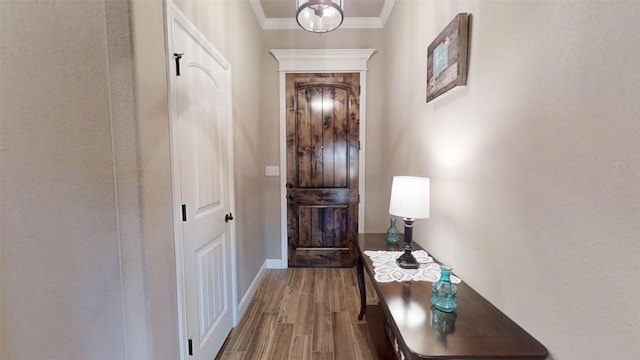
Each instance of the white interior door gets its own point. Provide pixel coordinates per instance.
(202, 138)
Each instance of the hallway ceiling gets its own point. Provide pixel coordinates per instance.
(359, 14)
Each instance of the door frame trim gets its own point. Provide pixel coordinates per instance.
(173, 13)
(319, 61)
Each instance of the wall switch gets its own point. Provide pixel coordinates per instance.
(272, 170)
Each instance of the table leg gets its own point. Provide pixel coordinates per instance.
(363, 294)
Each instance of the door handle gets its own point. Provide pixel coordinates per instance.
(228, 217)
(291, 197)
(289, 185)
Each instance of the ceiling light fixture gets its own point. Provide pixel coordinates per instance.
(319, 16)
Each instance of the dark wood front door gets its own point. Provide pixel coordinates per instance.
(322, 168)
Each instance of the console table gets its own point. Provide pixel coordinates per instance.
(415, 330)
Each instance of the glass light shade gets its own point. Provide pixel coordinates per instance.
(409, 197)
(319, 15)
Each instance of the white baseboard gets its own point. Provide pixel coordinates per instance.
(250, 293)
(275, 264)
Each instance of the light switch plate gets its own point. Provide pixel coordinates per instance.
(272, 170)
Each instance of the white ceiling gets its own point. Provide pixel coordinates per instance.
(359, 14)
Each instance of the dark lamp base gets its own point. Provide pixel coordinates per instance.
(407, 261)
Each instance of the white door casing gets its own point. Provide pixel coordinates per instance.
(319, 61)
(202, 162)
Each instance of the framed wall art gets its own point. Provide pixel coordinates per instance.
(447, 58)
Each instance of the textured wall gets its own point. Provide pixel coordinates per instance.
(61, 287)
(534, 164)
(154, 171)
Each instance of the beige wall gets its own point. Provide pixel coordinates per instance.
(534, 164)
(61, 287)
(154, 171)
(87, 254)
(88, 262)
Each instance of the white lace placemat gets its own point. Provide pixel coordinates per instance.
(387, 270)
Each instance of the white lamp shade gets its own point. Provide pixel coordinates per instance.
(409, 197)
(319, 15)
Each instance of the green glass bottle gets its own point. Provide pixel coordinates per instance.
(393, 235)
(445, 294)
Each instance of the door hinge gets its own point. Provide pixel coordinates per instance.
(359, 145)
(358, 198)
(177, 56)
(184, 212)
(190, 347)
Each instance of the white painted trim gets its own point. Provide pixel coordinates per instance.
(259, 11)
(279, 24)
(348, 23)
(362, 23)
(276, 264)
(173, 13)
(177, 233)
(386, 11)
(251, 291)
(284, 250)
(320, 60)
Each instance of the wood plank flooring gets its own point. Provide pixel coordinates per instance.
(303, 314)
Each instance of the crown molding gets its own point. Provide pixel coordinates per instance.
(386, 11)
(349, 22)
(318, 60)
(259, 11)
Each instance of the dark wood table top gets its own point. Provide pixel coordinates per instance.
(476, 330)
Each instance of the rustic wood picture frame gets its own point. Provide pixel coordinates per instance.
(447, 57)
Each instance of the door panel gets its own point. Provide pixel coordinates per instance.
(210, 270)
(322, 168)
(322, 226)
(202, 127)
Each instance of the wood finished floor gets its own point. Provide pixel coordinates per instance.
(303, 314)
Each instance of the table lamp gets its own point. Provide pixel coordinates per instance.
(409, 200)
